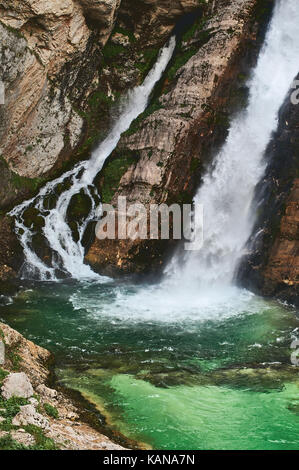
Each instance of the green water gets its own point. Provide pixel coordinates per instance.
(172, 371)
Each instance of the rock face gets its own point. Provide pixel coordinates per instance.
(51, 63)
(185, 123)
(17, 385)
(272, 268)
(63, 427)
(37, 39)
(35, 359)
(63, 65)
(28, 415)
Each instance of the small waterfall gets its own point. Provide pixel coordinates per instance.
(227, 191)
(68, 256)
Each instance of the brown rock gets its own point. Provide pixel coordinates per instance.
(174, 141)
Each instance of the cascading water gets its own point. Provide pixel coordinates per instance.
(228, 188)
(177, 365)
(69, 255)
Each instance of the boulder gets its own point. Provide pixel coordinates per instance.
(23, 437)
(17, 385)
(46, 392)
(29, 415)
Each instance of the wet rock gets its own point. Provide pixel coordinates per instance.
(186, 121)
(272, 266)
(17, 385)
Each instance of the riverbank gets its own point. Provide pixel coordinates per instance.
(32, 415)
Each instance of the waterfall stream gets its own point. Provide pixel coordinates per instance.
(68, 254)
(227, 191)
(192, 362)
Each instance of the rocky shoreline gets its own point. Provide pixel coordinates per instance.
(34, 416)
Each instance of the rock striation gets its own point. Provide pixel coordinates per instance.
(272, 267)
(169, 145)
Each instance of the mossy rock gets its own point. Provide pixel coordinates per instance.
(32, 218)
(113, 172)
(41, 248)
(79, 207)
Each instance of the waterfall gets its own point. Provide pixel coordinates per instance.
(227, 191)
(228, 187)
(68, 255)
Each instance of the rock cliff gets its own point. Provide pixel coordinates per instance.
(63, 66)
(164, 151)
(52, 61)
(272, 268)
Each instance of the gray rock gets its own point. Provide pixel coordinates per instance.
(29, 415)
(46, 392)
(23, 437)
(33, 402)
(17, 385)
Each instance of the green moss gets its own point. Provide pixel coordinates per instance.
(135, 126)
(149, 58)
(3, 374)
(125, 32)
(79, 207)
(194, 165)
(32, 184)
(11, 407)
(112, 175)
(51, 411)
(21, 182)
(111, 51)
(32, 218)
(41, 441)
(8, 443)
(179, 61)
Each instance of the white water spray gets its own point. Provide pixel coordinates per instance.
(227, 191)
(70, 254)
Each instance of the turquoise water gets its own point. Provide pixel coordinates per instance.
(210, 375)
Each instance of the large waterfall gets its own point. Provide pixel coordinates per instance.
(67, 254)
(227, 191)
